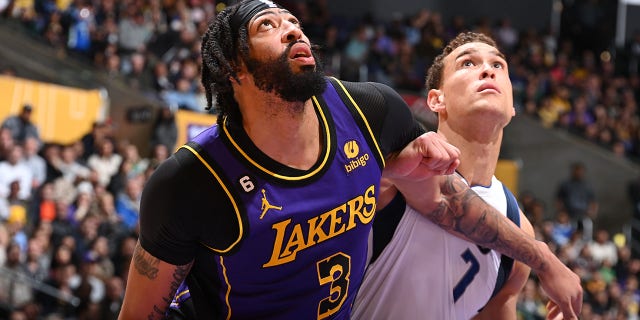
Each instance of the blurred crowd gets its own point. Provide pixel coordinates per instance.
(69, 212)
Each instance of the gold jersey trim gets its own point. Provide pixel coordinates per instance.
(325, 158)
(364, 119)
(233, 201)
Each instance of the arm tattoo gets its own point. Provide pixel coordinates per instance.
(464, 212)
(147, 266)
(144, 263)
(160, 312)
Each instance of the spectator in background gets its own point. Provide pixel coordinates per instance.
(161, 77)
(561, 229)
(165, 130)
(51, 153)
(81, 16)
(122, 259)
(91, 140)
(21, 126)
(72, 174)
(35, 162)
(17, 218)
(110, 222)
(184, 96)
(128, 202)
(134, 32)
(100, 251)
(54, 32)
(61, 278)
(112, 65)
(15, 170)
(83, 205)
(138, 76)
(45, 204)
(133, 164)
(106, 162)
(158, 155)
(6, 142)
(578, 199)
(63, 255)
(507, 35)
(85, 234)
(356, 53)
(603, 249)
(112, 302)
(88, 287)
(36, 264)
(13, 292)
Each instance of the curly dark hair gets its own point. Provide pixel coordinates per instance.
(434, 75)
(222, 47)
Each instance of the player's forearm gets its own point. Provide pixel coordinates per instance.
(462, 211)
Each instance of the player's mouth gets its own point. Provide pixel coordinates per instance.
(488, 87)
(301, 53)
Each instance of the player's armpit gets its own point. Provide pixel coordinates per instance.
(151, 285)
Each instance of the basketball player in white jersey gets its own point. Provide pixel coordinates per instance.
(417, 269)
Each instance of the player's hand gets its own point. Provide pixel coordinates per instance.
(553, 311)
(563, 288)
(428, 155)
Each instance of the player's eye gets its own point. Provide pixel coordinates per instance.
(467, 63)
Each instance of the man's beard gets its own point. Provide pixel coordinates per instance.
(276, 76)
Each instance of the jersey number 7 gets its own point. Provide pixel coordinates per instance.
(468, 276)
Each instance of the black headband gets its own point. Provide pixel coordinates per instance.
(248, 9)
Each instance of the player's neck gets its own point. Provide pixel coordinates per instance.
(286, 132)
(478, 157)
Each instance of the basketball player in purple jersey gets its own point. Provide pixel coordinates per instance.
(267, 214)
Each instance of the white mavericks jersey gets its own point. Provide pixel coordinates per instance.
(425, 272)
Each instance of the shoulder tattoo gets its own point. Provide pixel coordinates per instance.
(145, 264)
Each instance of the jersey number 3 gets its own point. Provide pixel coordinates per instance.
(335, 270)
(468, 276)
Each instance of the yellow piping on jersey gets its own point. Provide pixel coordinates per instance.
(182, 293)
(280, 176)
(366, 122)
(233, 202)
(226, 280)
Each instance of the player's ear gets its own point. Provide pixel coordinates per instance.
(435, 100)
(240, 72)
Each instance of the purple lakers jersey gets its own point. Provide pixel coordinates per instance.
(301, 249)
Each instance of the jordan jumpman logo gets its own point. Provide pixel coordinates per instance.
(266, 205)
